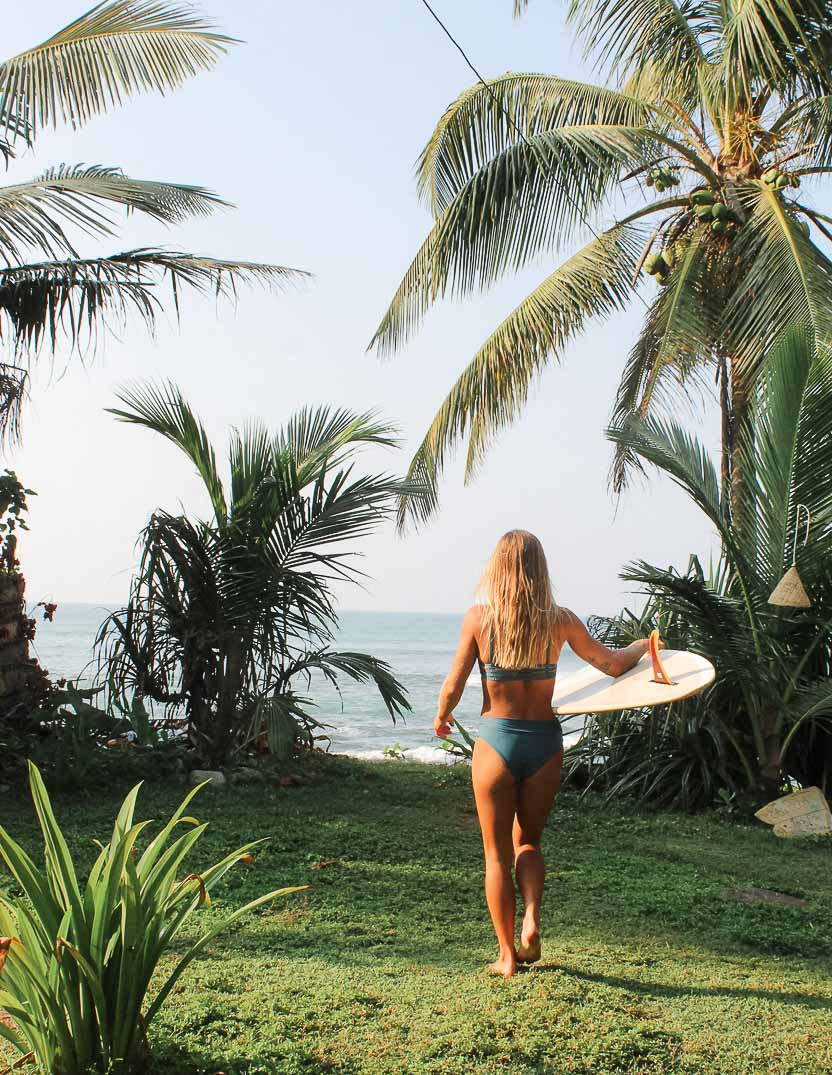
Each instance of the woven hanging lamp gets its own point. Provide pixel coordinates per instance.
(790, 591)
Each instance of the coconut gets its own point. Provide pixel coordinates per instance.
(669, 256)
(795, 180)
(718, 226)
(649, 180)
(771, 175)
(702, 197)
(782, 181)
(661, 279)
(720, 211)
(653, 263)
(702, 212)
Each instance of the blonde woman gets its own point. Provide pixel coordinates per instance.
(516, 633)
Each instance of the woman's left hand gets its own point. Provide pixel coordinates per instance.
(442, 726)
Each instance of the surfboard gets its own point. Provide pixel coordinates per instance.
(802, 813)
(591, 691)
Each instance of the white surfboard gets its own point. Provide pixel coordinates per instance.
(591, 691)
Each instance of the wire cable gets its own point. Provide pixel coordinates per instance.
(510, 120)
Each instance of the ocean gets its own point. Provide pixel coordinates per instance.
(419, 646)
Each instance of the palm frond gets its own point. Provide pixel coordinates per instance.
(163, 409)
(360, 668)
(781, 278)
(672, 40)
(809, 124)
(113, 51)
(529, 199)
(782, 44)
(315, 436)
(686, 461)
(487, 119)
(676, 341)
(595, 282)
(785, 445)
(36, 214)
(49, 301)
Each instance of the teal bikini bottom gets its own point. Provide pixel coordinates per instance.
(524, 745)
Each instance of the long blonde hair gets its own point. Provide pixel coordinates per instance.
(519, 610)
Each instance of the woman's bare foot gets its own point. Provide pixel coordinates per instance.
(528, 950)
(506, 966)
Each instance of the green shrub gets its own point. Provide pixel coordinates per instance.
(76, 963)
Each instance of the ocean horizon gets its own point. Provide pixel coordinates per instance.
(419, 647)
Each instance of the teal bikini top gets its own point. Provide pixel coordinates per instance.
(489, 670)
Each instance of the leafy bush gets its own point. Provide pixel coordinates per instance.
(767, 718)
(76, 962)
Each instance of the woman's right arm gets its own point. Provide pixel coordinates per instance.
(613, 662)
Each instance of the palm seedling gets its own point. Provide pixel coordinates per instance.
(227, 615)
(716, 120)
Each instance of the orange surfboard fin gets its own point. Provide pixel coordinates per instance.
(659, 671)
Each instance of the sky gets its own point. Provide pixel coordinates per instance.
(311, 127)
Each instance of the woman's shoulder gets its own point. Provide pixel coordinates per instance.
(475, 613)
(565, 621)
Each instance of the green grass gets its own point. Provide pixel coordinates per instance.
(647, 966)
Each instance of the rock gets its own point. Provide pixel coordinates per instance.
(198, 776)
(247, 776)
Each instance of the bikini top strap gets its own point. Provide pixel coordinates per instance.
(548, 650)
(491, 643)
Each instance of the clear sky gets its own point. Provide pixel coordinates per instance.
(311, 127)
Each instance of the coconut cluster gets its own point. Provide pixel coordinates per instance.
(708, 209)
(659, 265)
(779, 180)
(661, 179)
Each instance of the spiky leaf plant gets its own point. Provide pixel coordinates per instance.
(77, 960)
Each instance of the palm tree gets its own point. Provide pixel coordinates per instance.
(227, 614)
(715, 115)
(767, 716)
(47, 291)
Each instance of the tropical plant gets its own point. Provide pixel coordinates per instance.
(767, 717)
(48, 292)
(463, 747)
(76, 962)
(226, 615)
(715, 116)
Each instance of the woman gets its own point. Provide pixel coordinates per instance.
(516, 633)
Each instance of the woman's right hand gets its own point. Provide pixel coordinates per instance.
(443, 726)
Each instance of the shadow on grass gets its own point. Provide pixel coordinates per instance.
(654, 989)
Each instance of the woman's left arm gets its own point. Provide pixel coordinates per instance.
(456, 679)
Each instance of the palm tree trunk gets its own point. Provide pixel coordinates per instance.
(739, 406)
(725, 416)
(771, 765)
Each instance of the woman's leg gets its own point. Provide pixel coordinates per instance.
(535, 797)
(495, 792)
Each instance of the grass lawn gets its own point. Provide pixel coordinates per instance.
(647, 965)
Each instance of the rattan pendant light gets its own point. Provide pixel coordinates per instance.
(790, 591)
